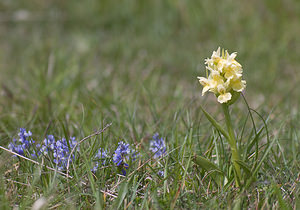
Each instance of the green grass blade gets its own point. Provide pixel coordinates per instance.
(121, 195)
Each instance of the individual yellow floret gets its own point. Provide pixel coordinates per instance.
(224, 96)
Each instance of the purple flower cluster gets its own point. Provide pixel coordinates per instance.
(59, 150)
(122, 155)
(101, 158)
(157, 146)
(23, 144)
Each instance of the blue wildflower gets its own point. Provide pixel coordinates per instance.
(157, 146)
(122, 155)
(23, 144)
(161, 173)
(101, 155)
(59, 150)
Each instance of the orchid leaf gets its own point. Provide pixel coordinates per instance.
(215, 123)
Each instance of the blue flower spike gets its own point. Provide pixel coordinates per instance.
(157, 146)
(23, 143)
(122, 155)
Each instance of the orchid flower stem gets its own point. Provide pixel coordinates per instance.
(232, 142)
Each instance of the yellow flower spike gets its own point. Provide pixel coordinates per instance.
(225, 76)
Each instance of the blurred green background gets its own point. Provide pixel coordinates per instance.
(66, 59)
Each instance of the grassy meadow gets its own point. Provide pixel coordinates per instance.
(69, 68)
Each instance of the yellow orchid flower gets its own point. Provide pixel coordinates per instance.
(211, 83)
(224, 96)
(237, 84)
(215, 58)
(205, 83)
